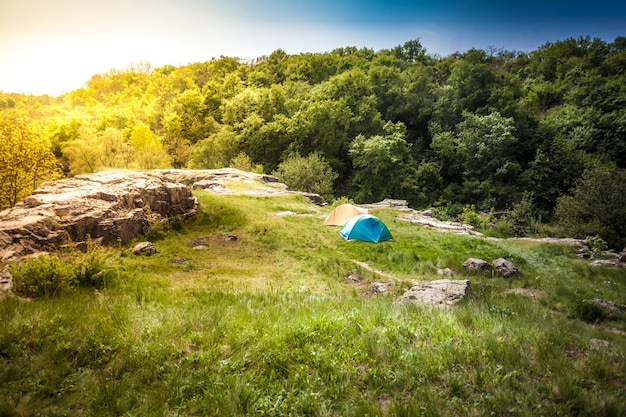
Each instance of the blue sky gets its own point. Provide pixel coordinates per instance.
(55, 46)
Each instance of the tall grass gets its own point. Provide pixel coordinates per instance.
(268, 325)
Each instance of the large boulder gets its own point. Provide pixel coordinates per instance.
(439, 293)
(108, 207)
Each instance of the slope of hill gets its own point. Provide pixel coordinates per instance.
(254, 307)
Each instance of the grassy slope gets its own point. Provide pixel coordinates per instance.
(269, 325)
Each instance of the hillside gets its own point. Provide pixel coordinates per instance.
(540, 131)
(254, 307)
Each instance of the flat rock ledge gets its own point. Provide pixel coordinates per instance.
(439, 293)
(107, 207)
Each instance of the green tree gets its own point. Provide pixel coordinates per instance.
(243, 162)
(384, 166)
(480, 154)
(596, 206)
(117, 152)
(311, 174)
(26, 160)
(216, 151)
(84, 153)
(149, 151)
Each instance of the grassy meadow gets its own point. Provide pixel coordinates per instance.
(267, 324)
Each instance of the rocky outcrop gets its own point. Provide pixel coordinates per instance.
(439, 293)
(220, 181)
(111, 207)
(621, 257)
(108, 207)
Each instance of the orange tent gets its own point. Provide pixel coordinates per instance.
(340, 215)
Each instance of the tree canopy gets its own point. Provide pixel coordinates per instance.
(483, 128)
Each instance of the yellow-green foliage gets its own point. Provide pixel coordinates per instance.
(26, 160)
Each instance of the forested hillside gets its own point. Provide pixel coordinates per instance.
(543, 132)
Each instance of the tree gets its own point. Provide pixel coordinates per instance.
(596, 206)
(216, 151)
(481, 154)
(26, 160)
(384, 166)
(149, 152)
(310, 174)
(83, 153)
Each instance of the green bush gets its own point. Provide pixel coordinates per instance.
(311, 174)
(471, 217)
(43, 276)
(598, 245)
(48, 275)
(90, 270)
(155, 226)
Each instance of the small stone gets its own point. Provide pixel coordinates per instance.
(144, 248)
(380, 288)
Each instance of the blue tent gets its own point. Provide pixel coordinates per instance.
(365, 227)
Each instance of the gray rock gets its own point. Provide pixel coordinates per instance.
(604, 262)
(621, 257)
(440, 293)
(109, 207)
(380, 288)
(474, 264)
(144, 248)
(505, 268)
(6, 280)
(445, 271)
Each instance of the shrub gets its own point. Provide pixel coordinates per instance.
(43, 276)
(48, 276)
(90, 270)
(589, 312)
(598, 245)
(471, 217)
(155, 227)
(597, 206)
(311, 174)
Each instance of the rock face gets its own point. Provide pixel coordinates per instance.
(505, 268)
(105, 206)
(440, 293)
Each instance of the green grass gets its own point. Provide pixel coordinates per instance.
(268, 325)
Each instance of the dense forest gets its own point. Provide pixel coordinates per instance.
(540, 134)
